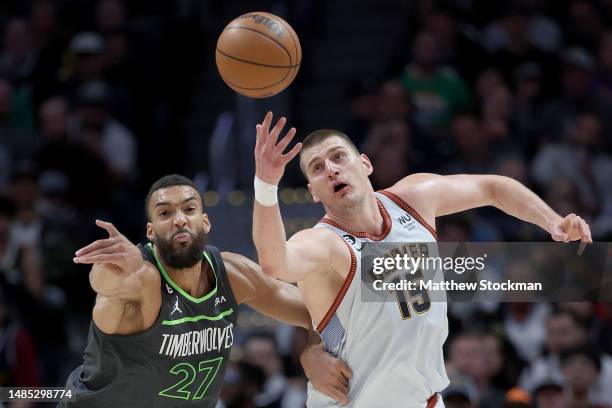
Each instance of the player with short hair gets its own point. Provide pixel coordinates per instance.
(395, 354)
(163, 322)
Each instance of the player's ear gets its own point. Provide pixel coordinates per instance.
(205, 223)
(312, 193)
(150, 233)
(367, 164)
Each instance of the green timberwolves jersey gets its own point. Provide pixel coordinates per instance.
(179, 361)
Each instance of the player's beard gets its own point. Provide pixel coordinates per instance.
(179, 256)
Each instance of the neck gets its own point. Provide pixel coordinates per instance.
(193, 280)
(365, 217)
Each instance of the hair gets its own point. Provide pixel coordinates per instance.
(169, 180)
(572, 315)
(319, 136)
(590, 353)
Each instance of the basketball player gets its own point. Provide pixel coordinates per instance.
(165, 312)
(396, 359)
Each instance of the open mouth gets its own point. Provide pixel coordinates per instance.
(339, 187)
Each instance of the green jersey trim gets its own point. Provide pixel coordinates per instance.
(177, 287)
(198, 318)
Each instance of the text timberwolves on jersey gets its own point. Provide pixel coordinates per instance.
(179, 361)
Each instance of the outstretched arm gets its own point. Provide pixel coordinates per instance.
(127, 287)
(441, 195)
(279, 300)
(306, 252)
(283, 302)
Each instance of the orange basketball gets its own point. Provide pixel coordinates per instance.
(258, 54)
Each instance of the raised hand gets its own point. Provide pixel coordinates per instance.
(270, 161)
(116, 252)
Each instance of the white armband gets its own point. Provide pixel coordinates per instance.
(265, 193)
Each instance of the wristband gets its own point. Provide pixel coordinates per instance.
(265, 193)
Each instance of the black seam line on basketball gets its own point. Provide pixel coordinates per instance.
(265, 35)
(295, 42)
(254, 89)
(294, 74)
(255, 63)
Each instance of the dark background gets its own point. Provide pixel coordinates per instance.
(100, 98)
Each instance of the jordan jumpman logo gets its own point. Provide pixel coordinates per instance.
(176, 307)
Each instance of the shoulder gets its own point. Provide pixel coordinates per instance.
(314, 234)
(245, 276)
(149, 273)
(418, 183)
(420, 191)
(322, 241)
(235, 262)
(240, 269)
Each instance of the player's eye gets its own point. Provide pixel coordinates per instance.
(338, 156)
(191, 209)
(163, 213)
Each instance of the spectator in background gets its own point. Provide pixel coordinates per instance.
(562, 194)
(581, 369)
(565, 332)
(467, 358)
(457, 42)
(61, 152)
(473, 151)
(18, 141)
(496, 110)
(577, 95)
(549, 394)
(604, 60)
(95, 127)
(527, 109)
(18, 63)
(111, 16)
(19, 58)
(510, 43)
(84, 62)
(504, 363)
(584, 162)
(392, 102)
(585, 312)
(18, 363)
(21, 258)
(459, 394)
(438, 92)
(487, 81)
(43, 23)
(585, 25)
(362, 97)
(49, 37)
(260, 350)
(523, 320)
(242, 383)
(389, 146)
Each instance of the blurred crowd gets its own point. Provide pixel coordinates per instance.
(94, 97)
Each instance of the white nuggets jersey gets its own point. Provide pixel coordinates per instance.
(395, 354)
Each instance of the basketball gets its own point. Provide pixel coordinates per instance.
(258, 54)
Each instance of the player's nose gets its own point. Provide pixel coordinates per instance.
(332, 169)
(180, 219)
